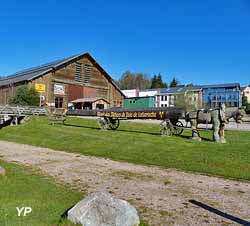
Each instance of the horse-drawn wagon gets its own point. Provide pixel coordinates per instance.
(172, 119)
(110, 118)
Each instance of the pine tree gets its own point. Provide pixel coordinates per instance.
(157, 82)
(174, 82)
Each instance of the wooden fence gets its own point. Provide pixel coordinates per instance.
(11, 110)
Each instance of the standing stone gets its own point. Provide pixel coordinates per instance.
(2, 171)
(102, 209)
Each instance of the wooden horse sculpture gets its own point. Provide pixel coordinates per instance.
(217, 117)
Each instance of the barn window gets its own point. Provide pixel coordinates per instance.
(59, 102)
(87, 69)
(78, 76)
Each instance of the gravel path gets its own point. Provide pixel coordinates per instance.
(162, 196)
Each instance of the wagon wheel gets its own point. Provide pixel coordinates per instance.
(103, 123)
(114, 123)
(166, 128)
(178, 128)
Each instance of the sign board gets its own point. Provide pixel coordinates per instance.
(161, 113)
(59, 89)
(131, 115)
(40, 88)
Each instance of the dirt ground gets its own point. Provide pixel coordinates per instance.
(162, 196)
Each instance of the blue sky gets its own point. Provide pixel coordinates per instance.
(200, 42)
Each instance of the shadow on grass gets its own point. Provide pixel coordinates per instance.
(81, 126)
(203, 138)
(220, 213)
(132, 131)
(64, 215)
(5, 124)
(118, 130)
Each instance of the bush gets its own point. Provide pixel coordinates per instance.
(248, 109)
(25, 96)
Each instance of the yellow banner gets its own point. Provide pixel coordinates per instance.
(40, 88)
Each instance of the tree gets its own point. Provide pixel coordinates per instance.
(247, 109)
(130, 80)
(174, 82)
(244, 101)
(142, 81)
(157, 82)
(154, 82)
(184, 100)
(25, 96)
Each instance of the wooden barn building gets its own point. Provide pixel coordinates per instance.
(65, 82)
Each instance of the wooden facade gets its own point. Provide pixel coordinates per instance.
(79, 77)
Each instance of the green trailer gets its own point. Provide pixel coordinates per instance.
(139, 102)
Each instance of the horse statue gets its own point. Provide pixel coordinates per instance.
(218, 117)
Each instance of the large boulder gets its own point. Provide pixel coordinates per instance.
(2, 171)
(102, 209)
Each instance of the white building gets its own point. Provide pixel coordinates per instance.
(168, 97)
(148, 93)
(130, 92)
(245, 91)
(162, 100)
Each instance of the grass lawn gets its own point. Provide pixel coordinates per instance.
(140, 143)
(48, 200)
(21, 187)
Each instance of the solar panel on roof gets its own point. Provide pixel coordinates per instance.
(39, 68)
(32, 72)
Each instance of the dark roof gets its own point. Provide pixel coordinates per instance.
(221, 85)
(35, 72)
(182, 89)
(138, 97)
(90, 100)
(179, 89)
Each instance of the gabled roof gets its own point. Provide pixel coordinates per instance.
(35, 72)
(90, 100)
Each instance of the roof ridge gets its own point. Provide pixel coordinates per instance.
(34, 72)
(48, 65)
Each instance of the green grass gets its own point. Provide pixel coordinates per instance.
(141, 144)
(21, 187)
